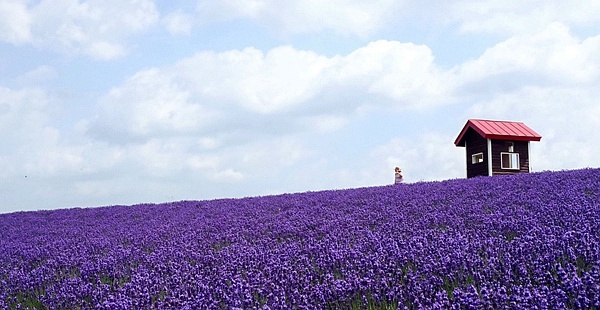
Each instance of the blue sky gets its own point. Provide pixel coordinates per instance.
(122, 102)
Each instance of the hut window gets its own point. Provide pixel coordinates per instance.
(509, 160)
(477, 158)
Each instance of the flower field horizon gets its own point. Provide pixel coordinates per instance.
(526, 241)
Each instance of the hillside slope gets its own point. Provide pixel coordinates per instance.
(521, 241)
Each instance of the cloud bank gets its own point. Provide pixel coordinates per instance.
(231, 122)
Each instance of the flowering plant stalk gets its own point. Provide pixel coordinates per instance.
(521, 241)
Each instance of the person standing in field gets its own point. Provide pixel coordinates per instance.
(398, 176)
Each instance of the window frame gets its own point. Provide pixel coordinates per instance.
(477, 158)
(514, 158)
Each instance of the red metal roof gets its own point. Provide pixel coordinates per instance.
(498, 130)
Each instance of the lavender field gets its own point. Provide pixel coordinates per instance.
(524, 241)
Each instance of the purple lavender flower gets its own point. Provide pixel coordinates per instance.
(521, 241)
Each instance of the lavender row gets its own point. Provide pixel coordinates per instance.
(524, 241)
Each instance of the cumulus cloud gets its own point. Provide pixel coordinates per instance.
(20, 112)
(425, 157)
(246, 116)
(403, 71)
(564, 116)
(151, 103)
(15, 22)
(514, 17)
(29, 151)
(259, 91)
(550, 60)
(94, 28)
(260, 82)
(365, 19)
(551, 57)
(178, 23)
(37, 162)
(547, 79)
(347, 17)
(250, 121)
(38, 76)
(277, 94)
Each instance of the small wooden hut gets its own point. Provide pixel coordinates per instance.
(496, 147)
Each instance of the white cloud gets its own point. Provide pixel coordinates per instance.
(38, 76)
(250, 121)
(247, 116)
(15, 22)
(178, 23)
(21, 110)
(38, 165)
(249, 89)
(232, 8)
(272, 155)
(327, 123)
(517, 17)
(426, 157)
(365, 19)
(548, 80)
(566, 118)
(548, 59)
(403, 71)
(552, 56)
(260, 82)
(94, 27)
(227, 175)
(348, 17)
(151, 103)
(31, 145)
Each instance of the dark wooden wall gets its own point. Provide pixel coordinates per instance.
(476, 144)
(499, 146)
